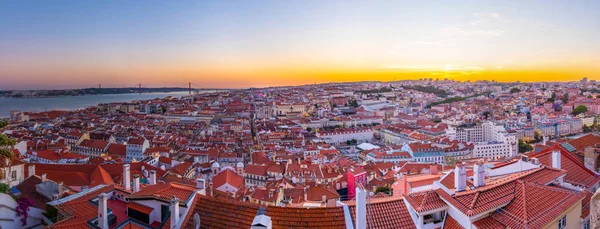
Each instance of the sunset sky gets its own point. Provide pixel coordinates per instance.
(239, 44)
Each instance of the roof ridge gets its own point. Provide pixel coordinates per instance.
(498, 184)
(524, 187)
(474, 200)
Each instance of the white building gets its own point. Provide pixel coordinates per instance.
(490, 140)
(135, 149)
(339, 136)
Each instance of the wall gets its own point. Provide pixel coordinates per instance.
(7, 213)
(20, 172)
(573, 218)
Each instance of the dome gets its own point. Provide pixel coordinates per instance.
(216, 165)
(240, 165)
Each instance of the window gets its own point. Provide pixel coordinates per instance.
(586, 225)
(14, 175)
(562, 222)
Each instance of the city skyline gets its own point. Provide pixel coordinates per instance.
(240, 45)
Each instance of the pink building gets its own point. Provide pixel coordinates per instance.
(356, 176)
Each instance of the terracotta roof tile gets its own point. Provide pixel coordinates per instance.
(425, 201)
(165, 192)
(388, 212)
(577, 173)
(140, 208)
(451, 223)
(488, 223)
(216, 213)
(530, 208)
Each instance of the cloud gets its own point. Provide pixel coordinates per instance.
(486, 19)
(489, 15)
(460, 32)
(426, 43)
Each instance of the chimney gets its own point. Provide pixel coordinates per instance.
(460, 178)
(545, 140)
(361, 208)
(126, 177)
(61, 189)
(324, 198)
(136, 183)
(31, 170)
(174, 208)
(102, 211)
(152, 177)
(556, 159)
(479, 174)
(200, 183)
(261, 221)
(433, 169)
(43, 178)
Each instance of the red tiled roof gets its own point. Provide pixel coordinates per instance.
(259, 170)
(27, 189)
(588, 140)
(140, 208)
(577, 173)
(117, 149)
(448, 180)
(96, 144)
(488, 223)
(451, 223)
(424, 201)
(225, 214)
(531, 209)
(480, 200)
(181, 168)
(386, 212)
(165, 192)
(228, 177)
(80, 210)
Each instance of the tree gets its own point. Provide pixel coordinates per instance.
(565, 98)
(164, 110)
(552, 98)
(353, 103)
(308, 129)
(351, 142)
(586, 129)
(524, 147)
(4, 188)
(537, 137)
(579, 110)
(515, 90)
(5, 144)
(486, 114)
(384, 189)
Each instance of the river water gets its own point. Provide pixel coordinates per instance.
(74, 102)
